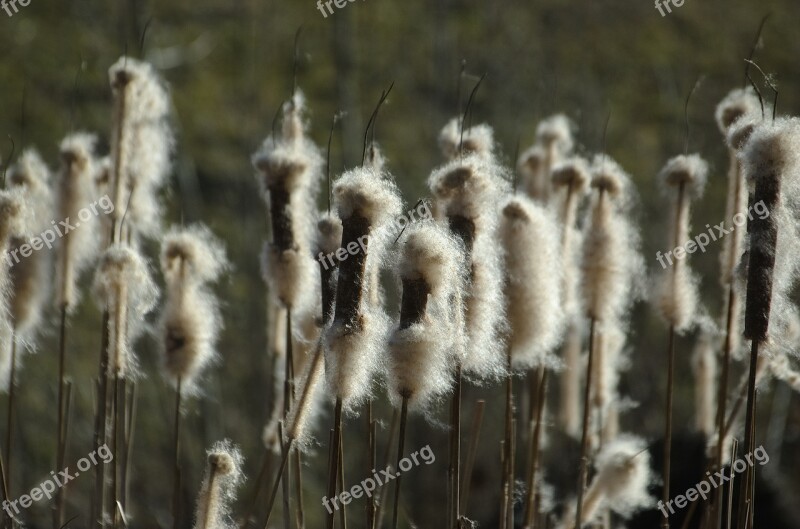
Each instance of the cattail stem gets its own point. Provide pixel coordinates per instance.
(61, 440)
(129, 435)
(535, 448)
(333, 466)
(100, 427)
(472, 450)
(746, 490)
(455, 450)
(386, 455)
(371, 462)
(298, 465)
(176, 481)
(722, 397)
(665, 494)
(340, 465)
(401, 440)
(10, 411)
(279, 477)
(288, 386)
(262, 474)
(584, 465)
(508, 463)
(285, 478)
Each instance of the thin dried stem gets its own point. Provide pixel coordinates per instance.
(584, 464)
(400, 447)
(472, 450)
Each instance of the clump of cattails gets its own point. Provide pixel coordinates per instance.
(124, 287)
(218, 491)
(190, 322)
(141, 144)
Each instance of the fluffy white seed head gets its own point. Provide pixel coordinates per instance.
(531, 165)
(192, 254)
(704, 367)
(218, 491)
(682, 178)
(124, 287)
(611, 264)
(530, 238)
(29, 275)
(76, 188)
(422, 350)
(354, 343)
(623, 475)
(738, 104)
(468, 193)
(478, 139)
(141, 144)
(555, 132)
(190, 322)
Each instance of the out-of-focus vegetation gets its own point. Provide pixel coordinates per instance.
(229, 65)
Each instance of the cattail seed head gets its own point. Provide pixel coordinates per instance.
(529, 236)
(429, 336)
(772, 162)
(142, 143)
(738, 104)
(123, 286)
(468, 193)
(190, 322)
(683, 177)
(367, 201)
(218, 491)
(478, 139)
(555, 132)
(611, 262)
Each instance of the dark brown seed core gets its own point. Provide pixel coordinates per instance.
(350, 287)
(414, 301)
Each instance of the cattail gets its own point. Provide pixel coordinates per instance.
(623, 477)
(570, 182)
(704, 367)
(428, 338)
(329, 239)
(123, 286)
(455, 139)
(141, 143)
(531, 167)
(289, 171)
(530, 238)
(554, 134)
(29, 275)
(190, 322)
(772, 159)
(366, 201)
(468, 192)
(611, 263)
(218, 491)
(683, 177)
(76, 189)
(739, 103)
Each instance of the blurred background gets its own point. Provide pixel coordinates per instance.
(230, 66)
